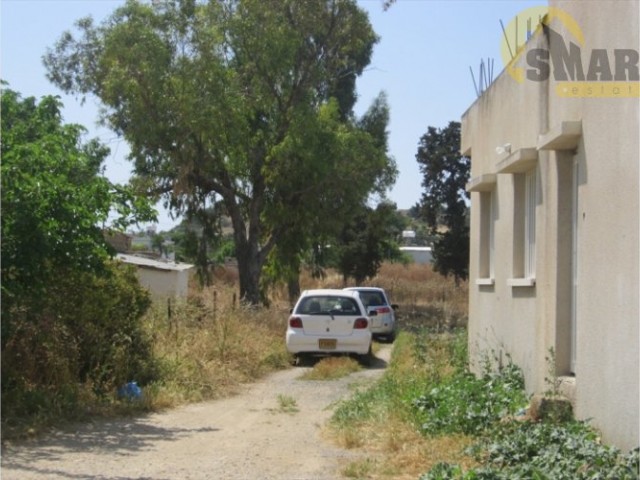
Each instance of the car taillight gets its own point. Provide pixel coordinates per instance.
(383, 309)
(361, 323)
(295, 322)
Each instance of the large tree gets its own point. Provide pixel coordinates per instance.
(444, 202)
(244, 103)
(338, 202)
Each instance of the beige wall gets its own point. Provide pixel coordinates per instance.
(525, 321)
(164, 284)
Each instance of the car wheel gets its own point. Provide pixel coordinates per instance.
(300, 360)
(366, 359)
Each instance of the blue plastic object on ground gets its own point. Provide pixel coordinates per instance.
(130, 391)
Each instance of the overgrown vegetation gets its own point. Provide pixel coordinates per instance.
(197, 349)
(210, 344)
(66, 360)
(471, 405)
(71, 326)
(566, 451)
(428, 414)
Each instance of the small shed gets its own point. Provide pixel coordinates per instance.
(420, 255)
(163, 278)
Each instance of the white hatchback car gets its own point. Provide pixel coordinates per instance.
(329, 321)
(375, 300)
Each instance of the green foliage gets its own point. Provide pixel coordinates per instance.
(243, 104)
(545, 451)
(71, 326)
(366, 241)
(444, 200)
(405, 378)
(199, 239)
(86, 340)
(507, 449)
(467, 404)
(54, 200)
(510, 449)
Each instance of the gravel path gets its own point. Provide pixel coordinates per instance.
(248, 436)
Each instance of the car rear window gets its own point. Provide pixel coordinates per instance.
(328, 305)
(372, 299)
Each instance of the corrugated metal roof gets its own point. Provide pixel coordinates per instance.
(144, 262)
(415, 249)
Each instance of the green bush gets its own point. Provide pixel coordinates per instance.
(85, 340)
(544, 451)
(470, 405)
(571, 451)
(509, 449)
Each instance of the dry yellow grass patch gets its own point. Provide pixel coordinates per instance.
(331, 368)
(394, 449)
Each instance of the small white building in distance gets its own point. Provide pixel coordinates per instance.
(164, 279)
(421, 255)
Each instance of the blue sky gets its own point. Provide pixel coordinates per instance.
(422, 62)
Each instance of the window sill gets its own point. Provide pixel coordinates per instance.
(485, 281)
(521, 282)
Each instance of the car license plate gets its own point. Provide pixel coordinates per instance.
(327, 344)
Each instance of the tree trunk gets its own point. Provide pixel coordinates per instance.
(248, 254)
(249, 268)
(293, 286)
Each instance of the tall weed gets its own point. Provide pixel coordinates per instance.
(381, 418)
(206, 348)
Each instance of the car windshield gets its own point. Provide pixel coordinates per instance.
(334, 305)
(372, 299)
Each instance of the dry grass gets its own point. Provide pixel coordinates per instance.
(209, 345)
(379, 422)
(397, 451)
(426, 298)
(331, 368)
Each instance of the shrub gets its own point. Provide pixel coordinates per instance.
(87, 339)
(470, 405)
(544, 451)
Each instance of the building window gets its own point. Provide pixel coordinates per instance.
(524, 229)
(487, 238)
(486, 187)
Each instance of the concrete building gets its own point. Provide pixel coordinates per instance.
(164, 279)
(420, 255)
(554, 213)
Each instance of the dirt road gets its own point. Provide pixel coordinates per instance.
(249, 436)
